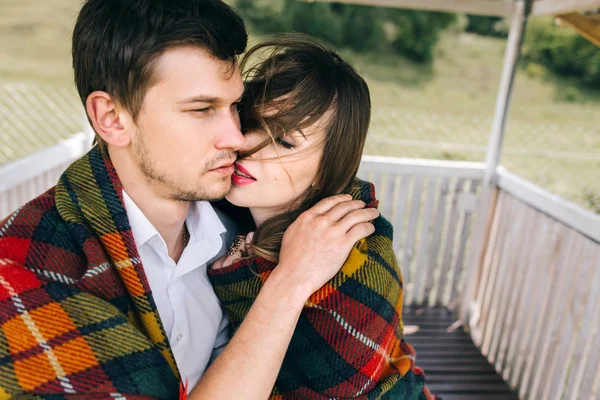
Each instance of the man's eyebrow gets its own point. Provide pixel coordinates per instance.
(206, 99)
(201, 99)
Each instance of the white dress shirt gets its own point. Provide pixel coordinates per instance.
(191, 314)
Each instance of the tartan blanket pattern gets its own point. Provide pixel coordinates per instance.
(348, 341)
(77, 318)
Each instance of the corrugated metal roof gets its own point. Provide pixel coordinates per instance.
(33, 117)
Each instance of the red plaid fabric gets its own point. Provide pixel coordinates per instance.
(348, 342)
(77, 319)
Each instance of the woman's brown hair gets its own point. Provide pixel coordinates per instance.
(305, 82)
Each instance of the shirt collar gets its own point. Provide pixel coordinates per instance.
(202, 221)
(141, 227)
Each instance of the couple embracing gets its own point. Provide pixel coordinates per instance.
(215, 242)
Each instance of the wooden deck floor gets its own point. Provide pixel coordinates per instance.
(454, 367)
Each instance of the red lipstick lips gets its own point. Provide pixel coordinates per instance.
(241, 176)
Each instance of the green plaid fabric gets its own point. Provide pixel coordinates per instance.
(77, 316)
(348, 342)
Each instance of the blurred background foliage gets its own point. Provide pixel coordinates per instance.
(409, 33)
(415, 34)
(433, 79)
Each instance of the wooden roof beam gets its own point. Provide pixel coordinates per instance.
(586, 27)
(501, 8)
(554, 7)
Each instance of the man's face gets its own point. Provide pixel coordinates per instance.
(188, 129)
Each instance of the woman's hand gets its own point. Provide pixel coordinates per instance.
(239, 248)
(314, 248)
(318, 243)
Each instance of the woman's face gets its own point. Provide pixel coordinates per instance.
(274, 178)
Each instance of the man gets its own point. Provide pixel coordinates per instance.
(103, 287)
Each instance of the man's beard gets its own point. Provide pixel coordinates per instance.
(153, 175)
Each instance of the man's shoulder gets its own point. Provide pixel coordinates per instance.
(30, 214)
(35, 221)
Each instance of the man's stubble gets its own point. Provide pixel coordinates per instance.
(154, 176)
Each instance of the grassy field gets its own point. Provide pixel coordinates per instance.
(443, 111)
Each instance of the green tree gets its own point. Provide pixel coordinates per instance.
(360, 28)
(261, 17)
(562, 51)
(363, 28)
(320, 20)
(486, 25)
(418, 32)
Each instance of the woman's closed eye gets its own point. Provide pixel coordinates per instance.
(285, 144)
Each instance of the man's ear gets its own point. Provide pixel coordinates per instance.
(112, 124)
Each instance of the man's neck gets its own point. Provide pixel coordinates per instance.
(165, 214)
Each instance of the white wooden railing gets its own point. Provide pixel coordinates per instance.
(34, 116)
(537, 307)
(430, 203)
(29, 177)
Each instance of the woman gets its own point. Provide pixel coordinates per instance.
(306, 116)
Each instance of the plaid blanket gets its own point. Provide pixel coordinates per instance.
(77, 319)
(348, 342)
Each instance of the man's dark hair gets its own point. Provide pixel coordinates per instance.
(116, 42)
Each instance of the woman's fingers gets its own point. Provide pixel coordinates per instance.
(357, 217)
(315, 246)
(343, 208)
(360, 231)
(249, 238)
(328, 203)
(236, 251)
(240, 248)
(238, 243)
(233, 257)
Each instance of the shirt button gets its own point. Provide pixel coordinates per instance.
(179, 337)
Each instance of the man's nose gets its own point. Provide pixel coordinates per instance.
(252, 139)
(230, 136)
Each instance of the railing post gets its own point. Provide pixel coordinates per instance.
(485, 207)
